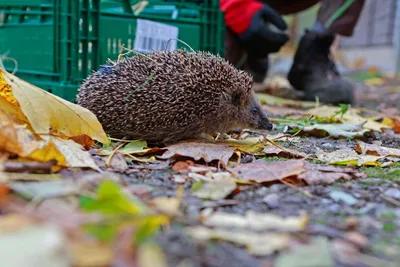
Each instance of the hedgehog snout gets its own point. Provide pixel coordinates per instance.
(263, 122)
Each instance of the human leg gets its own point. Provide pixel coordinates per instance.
(313, 70)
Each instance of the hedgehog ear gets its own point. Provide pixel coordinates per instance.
(236, 99)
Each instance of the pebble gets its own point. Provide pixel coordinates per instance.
(327, 145)
(262, 191)
(347, 198)
(276, 187)
(393, 193)
(334, 208)
(272, 200)
(369, 208)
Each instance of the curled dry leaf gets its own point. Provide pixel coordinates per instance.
(376, 150)
(276, 151)
(199, 150)
(46, 111)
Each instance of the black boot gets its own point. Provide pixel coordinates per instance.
(315, 74)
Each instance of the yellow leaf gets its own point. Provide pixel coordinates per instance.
(348, 156)
(351, 116)
(48, 113)
(374, 81)
(48, 151)
(6, 92)
(74, 154)
(13, 112)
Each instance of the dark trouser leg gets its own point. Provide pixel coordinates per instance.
(314, 71)
(344, 25)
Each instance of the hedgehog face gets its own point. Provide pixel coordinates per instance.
(250, 112)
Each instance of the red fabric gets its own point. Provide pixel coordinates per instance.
(238, 13)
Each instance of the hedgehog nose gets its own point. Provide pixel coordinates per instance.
(266, 124)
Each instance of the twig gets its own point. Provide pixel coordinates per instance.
(390, 200)
(307, 194)
(112, 154)
(308, 121)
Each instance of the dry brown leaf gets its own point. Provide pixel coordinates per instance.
(48, 113)
(260, 171)
(322, 174)
(276, 151)
(200, 150)
(376, 150)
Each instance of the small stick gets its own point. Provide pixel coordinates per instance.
(307, 194)
(112, 154)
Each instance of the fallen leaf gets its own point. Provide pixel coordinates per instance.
(181, 166)
(325, 175)
(74, 154)
(12, 111)
(376, 150)
(150, 255)
(276, 151)
(260, 171)
(45, 189)
(7, 177)
(168, 205)
(40, 245)
(374, 81)
(199, 150)
(336, 130)
(87, 253)
(134, 147)
(315, 254)
(47, 111)
(255, 221)
(259, 244)
(216, 189)
(121, 209)
(351, 117)
(14, 222)
(347, 156)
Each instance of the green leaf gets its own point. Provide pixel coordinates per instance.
(111, 200)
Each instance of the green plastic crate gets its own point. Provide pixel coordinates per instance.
(58, 43)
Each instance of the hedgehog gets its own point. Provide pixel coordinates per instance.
(168, 96)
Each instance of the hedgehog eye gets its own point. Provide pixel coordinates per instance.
(254, 110)
(236, 99)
